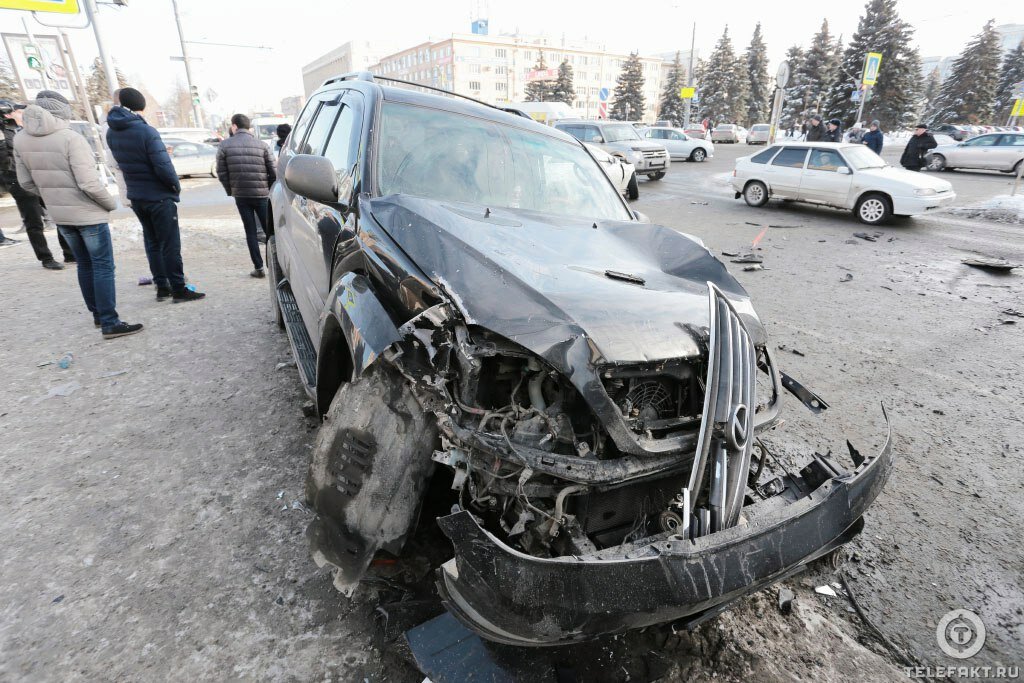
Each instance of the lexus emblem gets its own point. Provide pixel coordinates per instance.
(736, 428)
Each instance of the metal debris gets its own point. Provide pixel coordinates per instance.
(786, 598)
(846, 278)
(756, 266)
(870, 237)
(990, 263)
(826, 590)
(748, 258)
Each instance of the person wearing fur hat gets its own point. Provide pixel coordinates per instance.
(833, 131)
(917, 147)
(57, 163)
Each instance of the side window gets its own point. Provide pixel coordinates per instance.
(302, 123)
(1012, 141)
(185, 148)
(590, 133)
(321, 127)
(571, 130)
(343, 146)
(765, 156)
(824, 160)
(677, 136)
(791, 158)
(982, 141)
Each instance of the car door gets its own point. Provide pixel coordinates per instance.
(186, 154)
(784, 172)
(974, 153)
(679, 146)
(821, 181)
(1008, 151)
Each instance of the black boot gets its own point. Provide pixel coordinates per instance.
(163, 293)
(186, 295)
(121, 329)
(52, 265)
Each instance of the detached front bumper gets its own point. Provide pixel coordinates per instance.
(913, 206)
(510, 597)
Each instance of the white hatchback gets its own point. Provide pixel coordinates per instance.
(840, 175)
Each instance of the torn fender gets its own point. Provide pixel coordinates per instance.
(510, 597)
(367, 327)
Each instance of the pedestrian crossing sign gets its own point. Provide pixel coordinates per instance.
(1018, 108)
(872, 62)
(687, 93)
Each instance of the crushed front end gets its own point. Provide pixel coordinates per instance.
(592, 497)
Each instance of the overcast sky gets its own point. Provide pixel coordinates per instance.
(142, 37)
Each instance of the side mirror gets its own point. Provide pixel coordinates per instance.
(844, 170)
(599, 139)
(313, 177)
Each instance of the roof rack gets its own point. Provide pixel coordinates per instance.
(369, 77)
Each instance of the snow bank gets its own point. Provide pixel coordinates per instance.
(1003, 209)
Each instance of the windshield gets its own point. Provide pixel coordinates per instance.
(619, 132)
(862, 157)
(451, 157)
(265, 131)
(760, 128)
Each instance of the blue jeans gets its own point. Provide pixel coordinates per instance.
(95, 255)
(162, 238)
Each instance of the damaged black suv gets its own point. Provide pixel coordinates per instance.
(479, 315)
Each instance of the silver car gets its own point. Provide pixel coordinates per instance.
(993, 151)
(681, 147)
(759, 134)
(191, 158)
(622, 140)
(729, 132)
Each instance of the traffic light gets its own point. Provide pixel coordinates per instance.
(194, 91)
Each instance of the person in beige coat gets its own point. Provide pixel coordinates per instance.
(57, 163)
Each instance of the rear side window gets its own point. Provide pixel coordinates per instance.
(791, 158)
(765, 156)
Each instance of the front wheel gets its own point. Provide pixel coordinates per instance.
(755, 193)
(633, 189)
(656, 176)
(698, 154)
(873, 209)
(937, 162)
(274, 278)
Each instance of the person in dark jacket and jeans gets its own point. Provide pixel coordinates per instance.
(920, 142)
(245, 167)
(30, 206)
(153, 190)
(874, 138)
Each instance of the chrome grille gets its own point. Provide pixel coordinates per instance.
(655, 154)
(727, 425)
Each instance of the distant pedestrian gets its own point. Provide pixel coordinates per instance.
(153, 189)
(833, 131)
(855, 135)
(30, 207)
(874, 138)
(283, 130)
(917, 147)
(815, 130)
(245, 167)
(58, 164)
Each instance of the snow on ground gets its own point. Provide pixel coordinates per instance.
(1002, 208)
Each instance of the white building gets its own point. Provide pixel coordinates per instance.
(356, 55)
(1011, 35)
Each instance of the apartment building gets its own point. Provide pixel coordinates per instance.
(355, 55)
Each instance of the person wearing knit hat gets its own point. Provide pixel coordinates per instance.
(874, 138)
(153, 189)
(57, 163)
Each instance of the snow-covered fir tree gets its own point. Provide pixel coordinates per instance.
(897, 94)
(932, 87)
(9, 88)
(96, 85)
(542, 90)
(760, 93)
(969, 93)
(1011, 74)
(818, 71)
(672, 107)
(793, 99)
(723, 84)
(563, 90)
(629, 91)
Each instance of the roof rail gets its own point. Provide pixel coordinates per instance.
(351, 76)
(508, 110)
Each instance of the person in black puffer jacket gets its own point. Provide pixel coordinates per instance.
(245, 167)
(153, 189)
(913, 157)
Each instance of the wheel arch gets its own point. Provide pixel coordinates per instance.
(865, 193)
(764, 182)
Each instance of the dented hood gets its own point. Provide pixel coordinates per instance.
(542, 280)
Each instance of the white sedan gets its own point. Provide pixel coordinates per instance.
(680, 146)
(840, 175)
(622, 174)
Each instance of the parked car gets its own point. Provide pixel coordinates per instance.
(192, 158)
(695, 130)
(994, 151)
(507, 355)
(759, 134)
(680, 146)
(840, 175)
(199, 135)
(728, 132)
(955, 131)
(621, 139)
(621, 173)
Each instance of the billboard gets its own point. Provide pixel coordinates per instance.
(49, 52)
(56, 6)
(542, 75)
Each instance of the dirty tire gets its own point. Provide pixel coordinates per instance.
(274, 276)
(656, 176)
(873, 209)
(755, 193)
(367, 473)
(633, 189)
(698, 154)
(936, 162)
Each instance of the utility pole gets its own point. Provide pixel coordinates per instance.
(689, 77)
(108, 65)
(76, 79)
(193, 91)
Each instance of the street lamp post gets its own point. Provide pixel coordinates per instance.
(193, 91)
